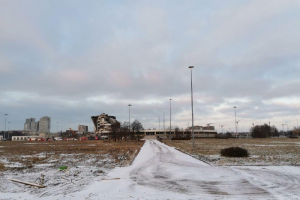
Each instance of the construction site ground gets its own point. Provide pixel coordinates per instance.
(86, 161)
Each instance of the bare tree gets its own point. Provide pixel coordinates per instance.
(137, 127)
(115, 131)
(124, 129)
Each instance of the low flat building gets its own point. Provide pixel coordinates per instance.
(23, 138)
(197, 133)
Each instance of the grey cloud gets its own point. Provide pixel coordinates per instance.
(65, 53)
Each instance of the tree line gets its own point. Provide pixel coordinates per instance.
(127, 131)
(264, 131)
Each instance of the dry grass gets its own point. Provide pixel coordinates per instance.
(2, 167)
(268, 151)
(27, 155)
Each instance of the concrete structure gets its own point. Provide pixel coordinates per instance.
(102, 123)
(45, 125)
(31, 126)
(1, 137)
(83, 129)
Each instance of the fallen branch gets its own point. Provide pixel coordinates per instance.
(27, 183)
(105, 179)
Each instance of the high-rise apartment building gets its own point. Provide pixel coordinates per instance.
(45, 125)
(31, 125)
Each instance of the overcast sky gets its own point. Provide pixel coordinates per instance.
(70, 60)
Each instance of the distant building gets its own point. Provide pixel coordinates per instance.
(83, 128)
(102, 123)
(204, 128)
(45, 125)
(198, 132)
(31, 126)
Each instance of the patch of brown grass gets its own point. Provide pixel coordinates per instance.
(2, 167)
(30, 153)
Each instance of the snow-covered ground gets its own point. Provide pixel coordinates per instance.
(161, 172)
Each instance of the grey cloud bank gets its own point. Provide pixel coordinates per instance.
(73, 59)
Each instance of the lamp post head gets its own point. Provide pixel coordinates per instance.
(234, 107)
(170, 99)
(191, 67)
(129, 105)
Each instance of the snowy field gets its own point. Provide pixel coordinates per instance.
(162, 172)
(263, 151)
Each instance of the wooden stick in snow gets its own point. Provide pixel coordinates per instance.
(27, 183)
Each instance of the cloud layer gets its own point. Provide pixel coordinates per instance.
(73, 59)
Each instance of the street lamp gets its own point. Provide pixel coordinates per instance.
(8, 130)
(159, 123)
(283, 127)
(164, 122)
(222, 128)
(5, 125)
(297, 124)
(191, 67)
(170, 119)
(57, 126)
(235, 120)
(129, 116)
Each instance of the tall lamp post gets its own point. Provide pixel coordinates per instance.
(159, 123)
(170, 119)
(129, 116)
(283, 127)
(8, 130)
(297, 124)
(235, 120)
(57, 126)
(5, 125)
(222, 128)
(164, 121)
(191, 67)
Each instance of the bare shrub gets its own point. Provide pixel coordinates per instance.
(234, 152)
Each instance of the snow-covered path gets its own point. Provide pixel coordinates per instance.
(161, 172)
